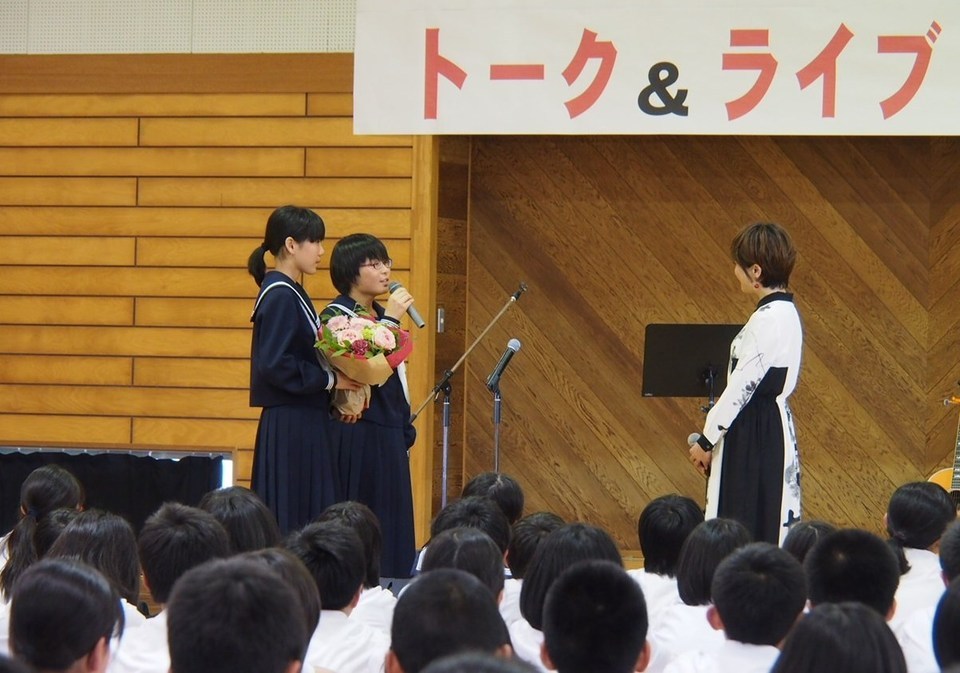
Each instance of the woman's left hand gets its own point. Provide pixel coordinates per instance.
(350, 419)
(700, 458)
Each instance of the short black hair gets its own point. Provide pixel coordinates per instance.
(467, 549)
(759, 591)
(333, 554)
(479, 662)
(848, 637)
(106, 542)
(768, 245)
(946, 625)
(234, 616)
(474, 512)
(917, 515)
(59, 610)
(802, 535)
(8, 665)
(502, 489)
(526, 536)
(852, 565)
(365, 523)
(595, 619)
(569, 544)
(707, 545)
(248, 521)
(290, 568)
(174, 539)
(950, 551)
(662, 528)
(347, 256)
(444, 612)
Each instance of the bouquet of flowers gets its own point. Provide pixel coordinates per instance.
(364, 350)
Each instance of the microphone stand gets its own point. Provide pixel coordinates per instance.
(496, 428)
(443, 387)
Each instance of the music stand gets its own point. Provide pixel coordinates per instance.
(686, 360)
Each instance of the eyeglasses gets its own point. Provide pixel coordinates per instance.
(379, 264)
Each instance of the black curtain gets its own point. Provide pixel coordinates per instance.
(128, 485)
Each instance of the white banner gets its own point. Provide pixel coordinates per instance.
(850, 67)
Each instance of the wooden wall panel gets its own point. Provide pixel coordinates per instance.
(154, 105)
(615, 233)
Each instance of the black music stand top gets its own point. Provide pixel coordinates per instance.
(679, 359)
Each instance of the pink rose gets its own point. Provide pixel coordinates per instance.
(360, 347)
(383, 338)
(348, 336)
(338, 322)
(360, 323)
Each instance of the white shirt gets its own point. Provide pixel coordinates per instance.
(659, 593)
(375, 609)
(682, 628)
(920, 588)
(916, 640)
(5, 628)
(132, 618)
(510, 603)
(144, 649)
(732, 657)
(526, 642)
(346, 646)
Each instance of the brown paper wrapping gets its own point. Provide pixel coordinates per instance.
(372, 372)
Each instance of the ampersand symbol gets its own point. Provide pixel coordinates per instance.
(661, 76)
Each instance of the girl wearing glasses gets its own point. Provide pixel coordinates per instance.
(372, 446)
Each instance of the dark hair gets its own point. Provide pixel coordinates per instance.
(347, 256)
(50, 527)
(950, 551)
(474, 512)
(174, 539)
(300, 224)
(561, 549)
(365, 524)
(60, 609)
(234, 615)
(526, 536)
(291, 569)
(769, 246)
(946, 625)
(848, 637)
(759, 591)
(852, 565)
(467, 549)
(44, 490)
(917, 515)
(662, 528)
(595, 619)
(248, 521)
(106, 542)
(803, 535)
(333, 554)
(707, 545)
(8, 665)
(502, 489)
(444, 612)
(479, 662)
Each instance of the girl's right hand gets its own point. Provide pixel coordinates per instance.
(344, 382)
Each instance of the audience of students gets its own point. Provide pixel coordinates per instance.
(525, 536)
(248, 521)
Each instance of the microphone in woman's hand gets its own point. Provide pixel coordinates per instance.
(411, 310)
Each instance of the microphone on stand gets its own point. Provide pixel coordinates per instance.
(493, 381)
(411, 310)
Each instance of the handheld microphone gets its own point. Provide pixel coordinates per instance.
(411, 310)
(493, 381)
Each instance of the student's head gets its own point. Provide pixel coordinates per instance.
(950, 552)
(292, 570)
(470, 550)
(350, 254)
(365, 524)
(333, 554)
(106, 542)
(853, 565)
(595, 619)
(765, 254)
(45, 490)
(662, 528)
(477, 662)
(443, 612)
(63, 614)
(288, 228)
(569, 544)
(50, 527)
(8, 665)
(234, 616)
(946, 626)
(526, 536)
(803, 535)
(502, 489)
(848, 637)
(758, 593)
(248, 521)
(173, 540)
(474, 512)
(707, 545)
(917, 515)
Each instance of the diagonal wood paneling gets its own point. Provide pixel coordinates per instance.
(614, 233)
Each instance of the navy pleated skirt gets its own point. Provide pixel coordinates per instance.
(294, 470)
